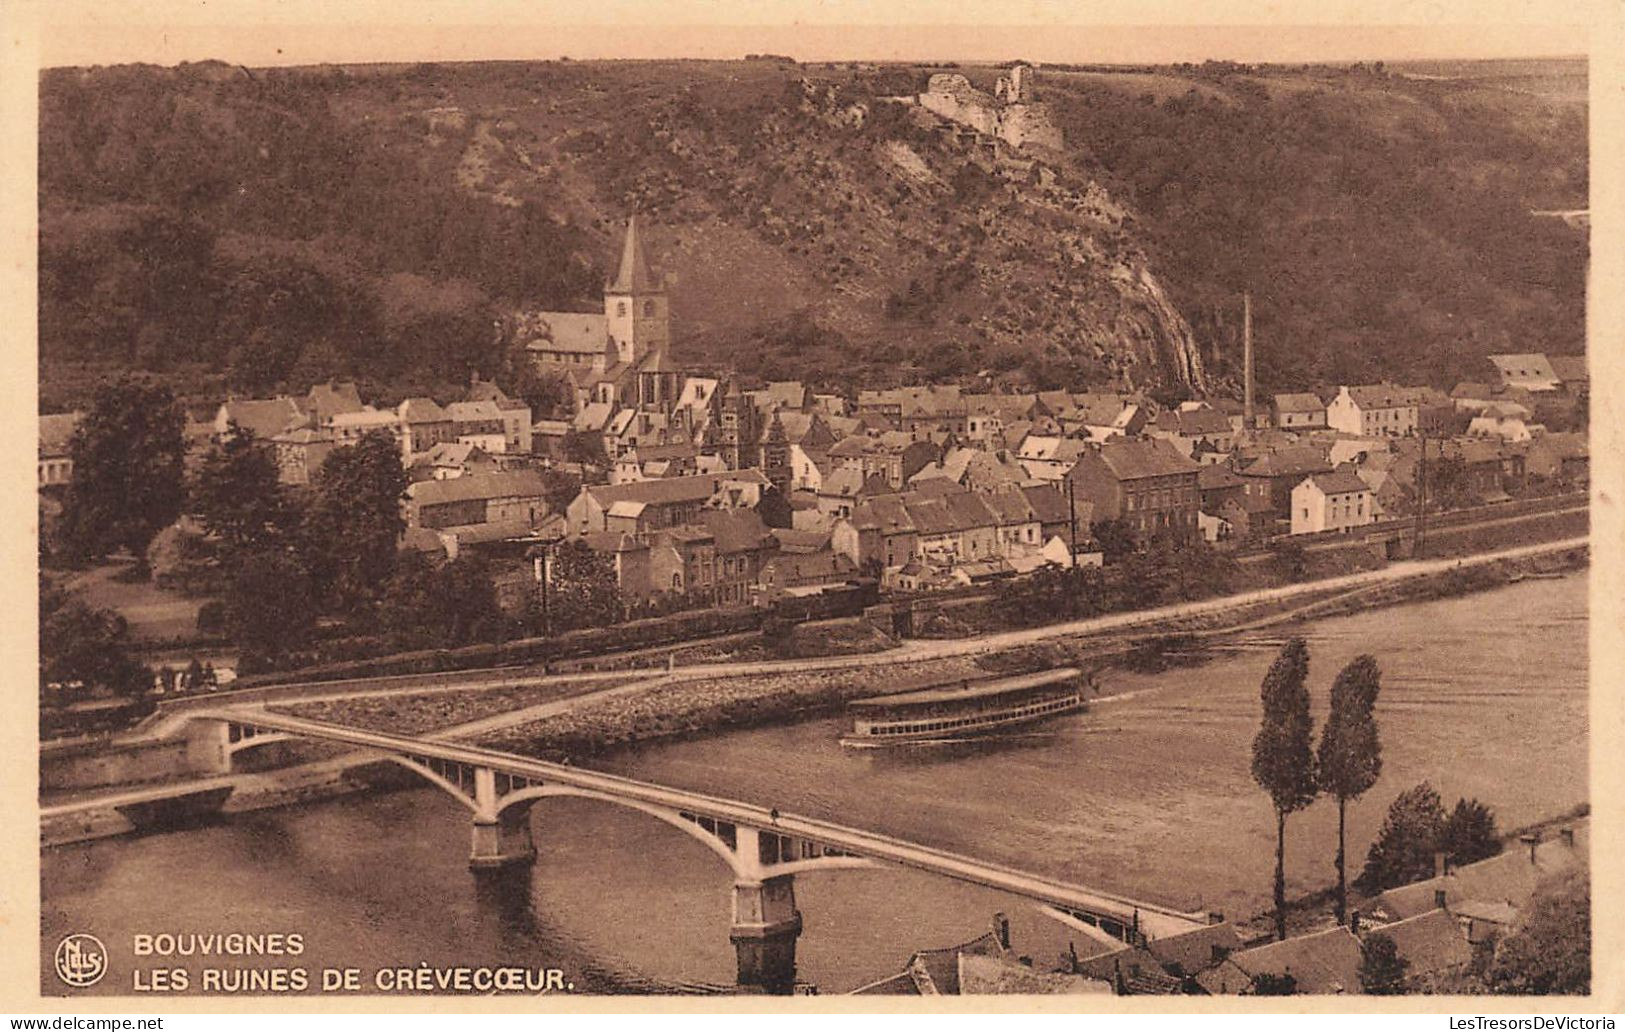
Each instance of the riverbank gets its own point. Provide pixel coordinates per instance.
(686, 708)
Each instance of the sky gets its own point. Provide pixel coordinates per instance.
(268, 32)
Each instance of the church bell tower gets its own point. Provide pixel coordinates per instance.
(635, 305)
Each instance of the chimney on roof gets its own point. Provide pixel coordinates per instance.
(1001, 929)
(1354, 922)
(1567, 832)
(1532, 840)
(1441, 864)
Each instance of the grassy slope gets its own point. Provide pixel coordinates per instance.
(787, 232)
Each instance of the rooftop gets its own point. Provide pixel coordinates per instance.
(523, 483)
(970, 690)
(1134, 460)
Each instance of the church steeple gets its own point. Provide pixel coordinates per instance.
(633, 276)
(635, 307)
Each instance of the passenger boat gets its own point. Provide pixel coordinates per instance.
(961, 710)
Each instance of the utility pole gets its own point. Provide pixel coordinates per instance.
(1072, 519)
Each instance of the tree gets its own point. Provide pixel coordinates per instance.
(1549, 950)
(270, 607)
(582, 591)
(559, 489)
(127, 470)
(1115, 539)
(1289, 560)
(1411, 833)
(1266, 984)
(237, 495)
(584, 448)
(1283, 756)
(1469, 833)
(774, 508)
(351, 528)
(1350, 757)
(445, 606)
(83, 649)
(1382, 969)
(181, 558)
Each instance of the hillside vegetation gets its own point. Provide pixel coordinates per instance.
(252, 229)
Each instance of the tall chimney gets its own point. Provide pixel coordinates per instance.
(1439, 870)
(1247, 358)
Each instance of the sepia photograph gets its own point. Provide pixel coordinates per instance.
(821, 508)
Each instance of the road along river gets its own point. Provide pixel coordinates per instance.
(1148, 793)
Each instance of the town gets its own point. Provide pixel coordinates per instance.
(593, 559)
(699, 490)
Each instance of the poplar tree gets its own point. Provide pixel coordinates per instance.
(1283, 753)
(1350, 757)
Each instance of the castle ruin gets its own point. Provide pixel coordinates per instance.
(1011, 114)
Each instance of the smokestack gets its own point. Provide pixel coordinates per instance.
(1247, 358)
(1001, 929)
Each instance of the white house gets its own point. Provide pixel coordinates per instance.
(1338, 500)
(1366, 411)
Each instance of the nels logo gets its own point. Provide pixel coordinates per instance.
(81, 960)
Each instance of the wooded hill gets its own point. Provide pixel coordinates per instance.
(253, 229)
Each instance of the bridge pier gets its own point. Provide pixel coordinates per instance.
(766, 924)
(208, 747)
(504, 841)
(501, 838)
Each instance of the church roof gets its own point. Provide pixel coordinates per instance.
(582, 333)
(633, 276)
(657, 361)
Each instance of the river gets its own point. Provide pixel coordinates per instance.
(1147, 793)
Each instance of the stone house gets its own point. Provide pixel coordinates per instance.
(518, 496)
(1298, 412)
(1192, 429)
(893, 456)
(646, 506)
(1146, 484)
(1271, 476)
(427, 424)
(514, 413)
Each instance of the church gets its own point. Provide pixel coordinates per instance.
(626, 386)
(620, 358)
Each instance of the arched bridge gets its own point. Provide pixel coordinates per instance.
(764, 848)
